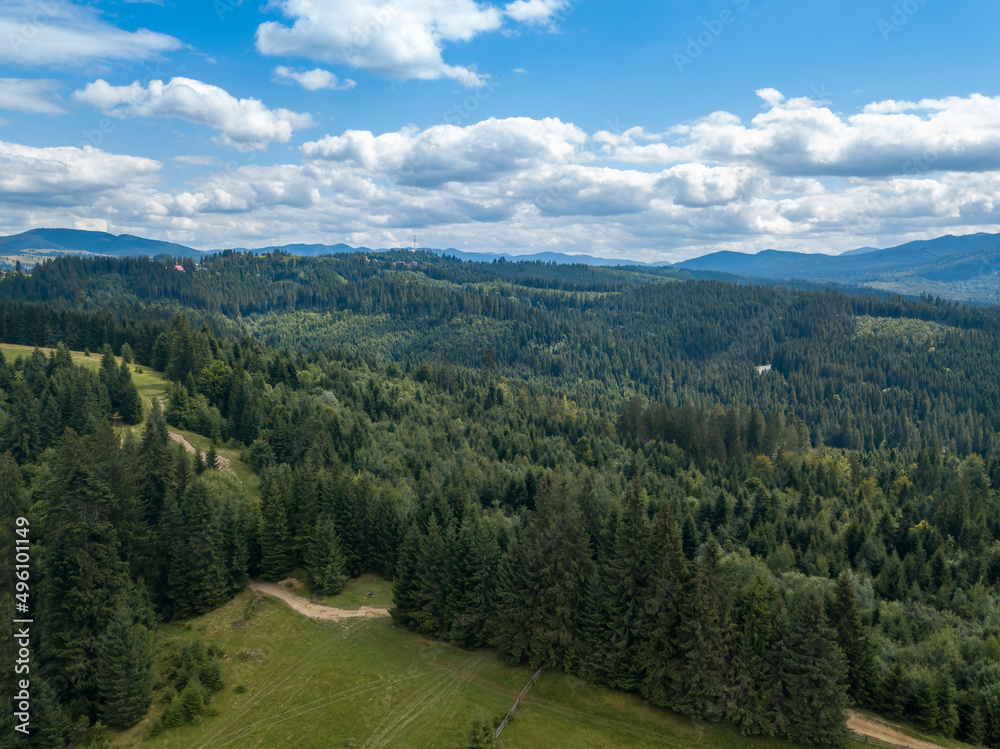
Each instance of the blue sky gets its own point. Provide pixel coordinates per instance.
(646, 130)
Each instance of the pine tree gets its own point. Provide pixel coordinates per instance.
(125, 673)
(625, 581)
(404, 589)
(54, 727)
(430, 598)
(558, 558)
(82, 576)
(13, 504)
(667, 578)
(749, 702)
(947, 697)
(852, 637)
(813, 675)
(275, 540)
(325, 560)
(706, 639)
(517, 592)
(197, 576)
(481, 733)
(129, 405)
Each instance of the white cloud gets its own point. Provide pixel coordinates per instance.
(244, 124)
(67, 176)
(312, 80)
(534, 184)
(802, 137)
(536, 11)
(32, 96)
(447, 153)
(400, 39)
(56, 33)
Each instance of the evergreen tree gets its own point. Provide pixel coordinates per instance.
(125, 673)
(275, 541)
(197, 578)
(813, 694)
(13, 505)
(430, 598)
(558, 562)
(750, 704)
(82, 576)
(667, 577)
(852, 637)
(706, 638)
(325, 560)
(625, 582)
(404, 589)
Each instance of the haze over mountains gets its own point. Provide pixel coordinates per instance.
(965, 268)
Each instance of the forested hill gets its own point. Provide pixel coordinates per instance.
(859, 372)
(583, 468)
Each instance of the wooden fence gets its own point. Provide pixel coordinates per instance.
(517, 703)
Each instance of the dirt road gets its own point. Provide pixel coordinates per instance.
(879, 729)
(225, 464)
(313, 611)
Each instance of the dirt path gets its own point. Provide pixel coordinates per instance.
(225, 464)
(879, 729)
(313, 611)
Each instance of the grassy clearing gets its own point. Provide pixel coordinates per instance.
(324, 684)
(151, 386)
(366, 683)
(355, 593)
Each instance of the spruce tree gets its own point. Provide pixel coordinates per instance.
(813, 675)
(853, 639)
(13, 504)
(275, 540)
(404, 589)
(625, 582)
(197, 576)
(430, 599)
(125, 674)
(82, 576)
(749, 701)
(325, 559)
(558, 558)
(660, 650)
(706, 639)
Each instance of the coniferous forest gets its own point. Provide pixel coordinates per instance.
(748, 504)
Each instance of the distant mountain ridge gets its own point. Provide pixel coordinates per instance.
(77, 241)
(965, 268)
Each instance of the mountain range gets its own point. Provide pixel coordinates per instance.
(965, 268)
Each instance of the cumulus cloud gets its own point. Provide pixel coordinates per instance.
(244, 124)
(58, 33)
(536, 11)
(397, 39)
(67, 176)
(802, 137)
(32, 96)
(448, 153)
(312, 80)
(523, 184)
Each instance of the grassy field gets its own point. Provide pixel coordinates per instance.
(367, 683)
